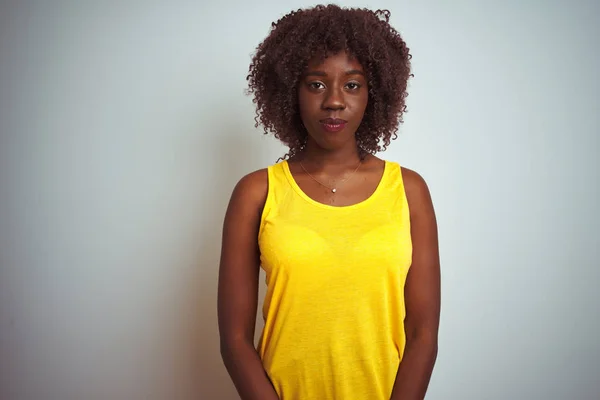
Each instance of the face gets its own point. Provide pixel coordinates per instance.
(333, 97)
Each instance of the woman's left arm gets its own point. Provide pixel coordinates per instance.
(422, 294)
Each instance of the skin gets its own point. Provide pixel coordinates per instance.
(335, 88)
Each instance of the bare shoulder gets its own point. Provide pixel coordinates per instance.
(413, 181)
(251, 190)
(254, 184)
(417, 191)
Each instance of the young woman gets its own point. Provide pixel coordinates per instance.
(348, 241)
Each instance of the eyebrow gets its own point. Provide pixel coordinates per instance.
(321, 73)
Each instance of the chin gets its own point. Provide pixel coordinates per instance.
(332, 145)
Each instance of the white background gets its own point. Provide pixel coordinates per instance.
(124, 127)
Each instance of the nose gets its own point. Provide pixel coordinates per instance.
(334, 100)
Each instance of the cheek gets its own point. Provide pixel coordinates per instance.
(307, 105)
(359, 105)
(364, 100)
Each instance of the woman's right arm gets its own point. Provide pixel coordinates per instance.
(238, 288)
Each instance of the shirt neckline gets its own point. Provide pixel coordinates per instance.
(301, 193)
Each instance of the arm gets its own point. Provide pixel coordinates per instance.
(238, 289)
(422, 294)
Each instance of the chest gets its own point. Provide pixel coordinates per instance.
(353, 247)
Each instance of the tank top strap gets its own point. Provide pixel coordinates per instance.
(393, 182)
(278, 188)
(393, 194)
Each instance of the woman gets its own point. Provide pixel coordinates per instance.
(335, 228)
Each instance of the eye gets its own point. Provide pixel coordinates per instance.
(316, 85)
(353, 85)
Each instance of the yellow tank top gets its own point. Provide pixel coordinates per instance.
(334, 307)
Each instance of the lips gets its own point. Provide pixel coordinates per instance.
(333, 124)
(333, 121)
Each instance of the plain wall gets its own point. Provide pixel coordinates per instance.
(124, 127)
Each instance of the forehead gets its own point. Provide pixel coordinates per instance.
(337, 61)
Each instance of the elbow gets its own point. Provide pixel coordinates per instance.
(231, 348)
(227, 348)
(433, 350)
(425, 340)
(228, 354)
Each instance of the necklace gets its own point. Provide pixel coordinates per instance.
(333, 189)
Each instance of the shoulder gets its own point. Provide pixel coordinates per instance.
(413, 181)
(253, 182)
(251, 190)
(249, 196)
(417, 191)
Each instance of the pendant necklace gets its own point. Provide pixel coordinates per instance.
(333, 189)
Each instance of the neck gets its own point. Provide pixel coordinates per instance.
(320, 158)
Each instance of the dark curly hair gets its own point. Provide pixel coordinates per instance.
(300, 36)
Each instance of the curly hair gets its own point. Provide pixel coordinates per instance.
(302, 35)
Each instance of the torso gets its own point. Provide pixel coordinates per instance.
(335, 275)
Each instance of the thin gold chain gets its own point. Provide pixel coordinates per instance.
(333, 189)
